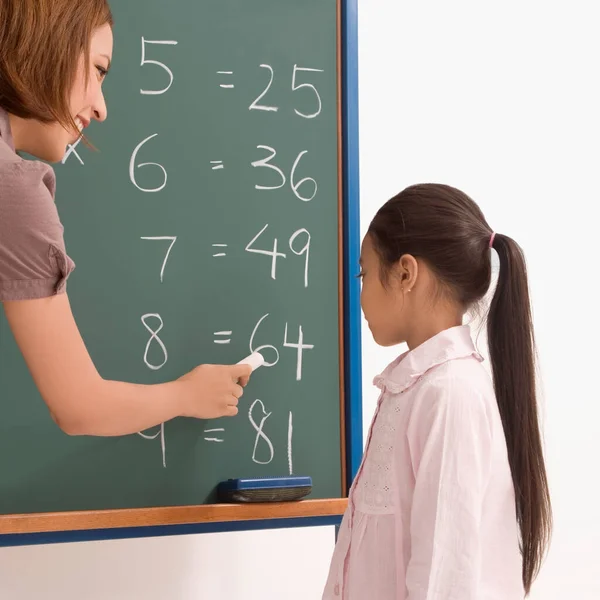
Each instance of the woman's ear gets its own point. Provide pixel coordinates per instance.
(407, 271)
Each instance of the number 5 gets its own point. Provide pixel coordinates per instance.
(306, 85)
(155, 62)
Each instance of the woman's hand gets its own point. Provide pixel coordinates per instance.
(83, 403)
(211, 391)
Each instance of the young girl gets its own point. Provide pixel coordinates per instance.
(451, 500)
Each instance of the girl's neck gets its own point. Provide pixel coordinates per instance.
(432, 324)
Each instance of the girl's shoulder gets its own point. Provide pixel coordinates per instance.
(457, 392)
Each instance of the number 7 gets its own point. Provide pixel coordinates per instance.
(173, 239)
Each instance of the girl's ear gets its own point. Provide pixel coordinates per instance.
(407, 271)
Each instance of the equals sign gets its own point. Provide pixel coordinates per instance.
(221, 337)
(226, 85)
(220, 246)
(217, 164)
(212, 438)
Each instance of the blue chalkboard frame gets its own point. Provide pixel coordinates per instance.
(352, 329)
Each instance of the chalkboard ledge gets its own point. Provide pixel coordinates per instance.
(171, 515)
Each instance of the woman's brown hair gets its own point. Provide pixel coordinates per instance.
(41, 42)
(446, 229)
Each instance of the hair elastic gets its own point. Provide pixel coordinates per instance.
(492, 239)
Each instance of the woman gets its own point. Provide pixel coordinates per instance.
(54, 56)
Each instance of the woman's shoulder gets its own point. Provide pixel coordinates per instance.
(24, 179)
(27, 204)
(33, 259)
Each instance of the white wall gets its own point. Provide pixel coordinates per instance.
(502, 101)
(230, 566)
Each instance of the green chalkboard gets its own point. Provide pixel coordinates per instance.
(203, 226)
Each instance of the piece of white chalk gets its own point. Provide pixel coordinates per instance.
(255, 360)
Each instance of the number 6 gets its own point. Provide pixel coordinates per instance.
(296, 185)
(264, 346)
(132, 168)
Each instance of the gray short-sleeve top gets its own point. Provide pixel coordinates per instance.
(33, 258)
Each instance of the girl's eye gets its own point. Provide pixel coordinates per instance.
(102, 71)
(360, 275)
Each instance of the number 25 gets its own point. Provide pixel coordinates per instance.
(295, 87)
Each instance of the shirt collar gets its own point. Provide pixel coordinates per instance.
(5, 132)
(450, 344)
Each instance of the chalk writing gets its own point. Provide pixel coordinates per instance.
(146, 61)
(294, 184)
(255, 105)
(214, 438)
(260, 434)
(173, 239)
(154, 337)
(71, 150)
(148, 164)
(289, 445)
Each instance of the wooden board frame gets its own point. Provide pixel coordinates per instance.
(43, 528)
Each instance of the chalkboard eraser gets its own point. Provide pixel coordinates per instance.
(264, 489)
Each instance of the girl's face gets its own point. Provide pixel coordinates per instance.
(409, 308)
(49, 141)
(383, 307)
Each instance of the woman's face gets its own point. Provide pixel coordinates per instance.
(49, 141)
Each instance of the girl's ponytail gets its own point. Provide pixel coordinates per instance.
(512, 350)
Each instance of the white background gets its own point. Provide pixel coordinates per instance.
(500, 100)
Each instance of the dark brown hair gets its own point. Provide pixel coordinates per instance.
(41, 42)
(446, 229)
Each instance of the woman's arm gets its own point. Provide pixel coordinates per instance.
(83, 403)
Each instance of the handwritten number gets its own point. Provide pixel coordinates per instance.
(299, 86)
(266, 162)
(146, 61)
(260, 434)
(300, 347)
(148, 164)
(304, 250)
(264, 346)
(255, 105)
(296, 85)
(296, 186)
(173, 239)
(273, 254)
(154, 337)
